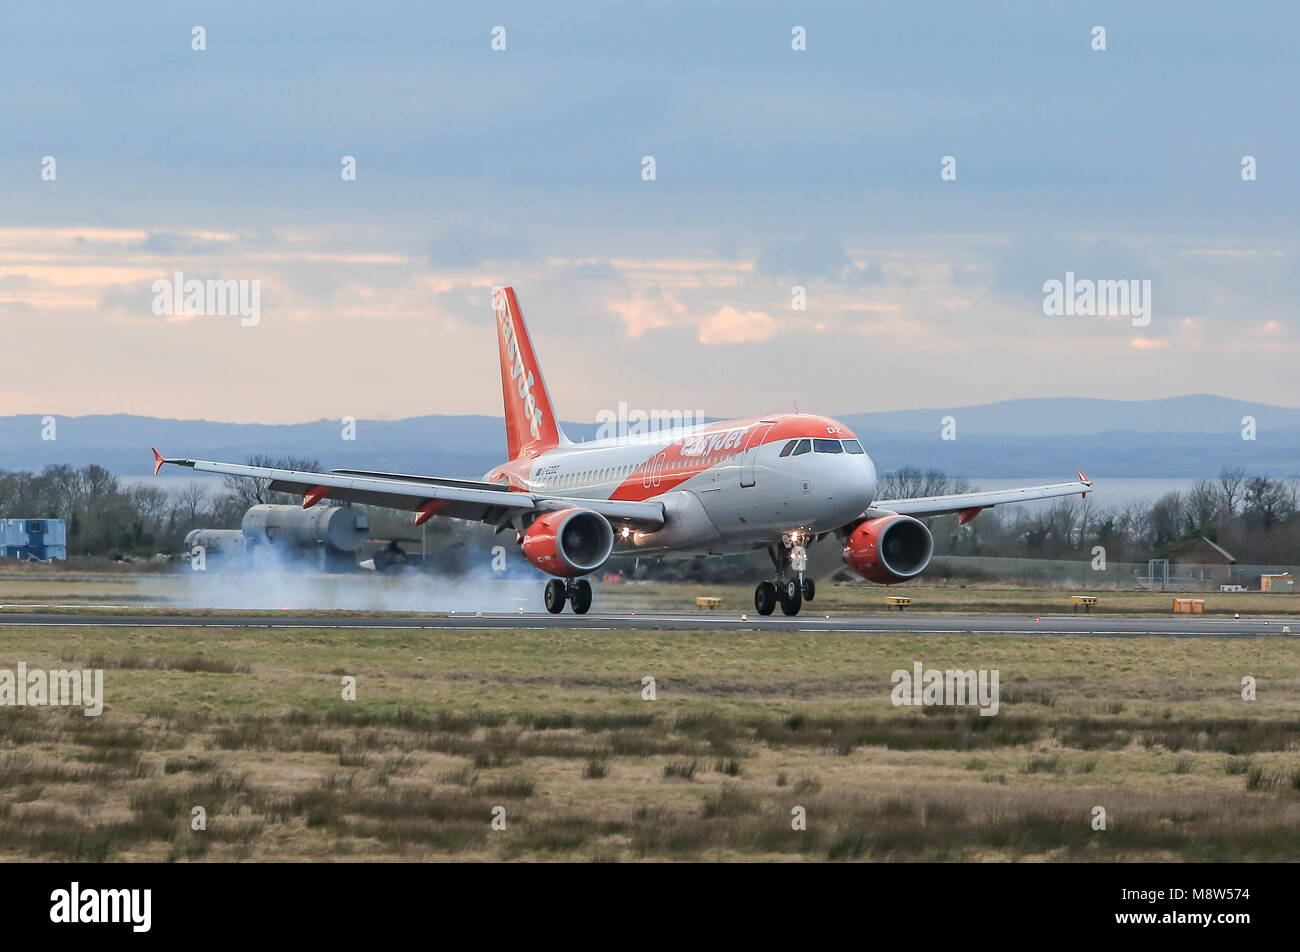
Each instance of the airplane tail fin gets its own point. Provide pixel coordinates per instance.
(531, 425)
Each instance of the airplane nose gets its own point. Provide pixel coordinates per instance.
(853, 482)
(868, 479)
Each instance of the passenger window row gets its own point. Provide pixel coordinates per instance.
(623, 472)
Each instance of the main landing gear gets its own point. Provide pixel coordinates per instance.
(577, 592)
(791, 588)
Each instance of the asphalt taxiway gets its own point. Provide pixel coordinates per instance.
(1184, 627)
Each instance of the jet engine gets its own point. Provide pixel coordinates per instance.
(569, 542)
(889, 549)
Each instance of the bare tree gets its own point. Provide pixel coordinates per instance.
(191, 502)
(243, 493)
(1264, 501)
(1203, 506)
(1231, 481)
(909, 482)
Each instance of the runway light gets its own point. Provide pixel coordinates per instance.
(744, 618)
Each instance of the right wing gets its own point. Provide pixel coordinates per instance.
(425, 495)
(969, 505)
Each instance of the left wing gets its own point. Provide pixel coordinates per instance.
(970, 505)
(426, 496)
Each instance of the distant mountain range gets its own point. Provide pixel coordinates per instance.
(1177, 437)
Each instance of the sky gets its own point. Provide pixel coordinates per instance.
(774, 169)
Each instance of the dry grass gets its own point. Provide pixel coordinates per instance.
(551, 727)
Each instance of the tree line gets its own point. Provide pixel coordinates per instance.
(1255, 517)
(108, 517)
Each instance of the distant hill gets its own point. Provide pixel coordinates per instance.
(1060, 416)
(1178, 437)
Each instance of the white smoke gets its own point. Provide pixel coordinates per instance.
(276, 582)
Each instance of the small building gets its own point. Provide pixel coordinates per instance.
(34, 539)
(1280, 582)
(1201, 560)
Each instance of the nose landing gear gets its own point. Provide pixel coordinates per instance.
(791, 588)
(577, 592)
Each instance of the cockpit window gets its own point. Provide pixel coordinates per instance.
(785, 450)
(852, 446)
(827, 446)
(804, 446)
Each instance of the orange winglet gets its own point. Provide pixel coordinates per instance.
(966, 515)
(314, 496)
(1085, 480)
(428, 510)
(157, 461)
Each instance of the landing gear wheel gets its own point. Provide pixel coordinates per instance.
(554, 596)
(791, 597)
(580, 596)
(809, 589)
(765, 598)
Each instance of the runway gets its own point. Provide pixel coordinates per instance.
(1059, 625)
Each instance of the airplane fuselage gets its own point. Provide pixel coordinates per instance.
(727, 486)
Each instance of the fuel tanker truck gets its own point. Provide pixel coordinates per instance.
(323, 538)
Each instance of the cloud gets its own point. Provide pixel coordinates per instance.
(653, 312)
(1025, 263)
(818, 256)
(730, 326)
(172, 243)
(468, 247)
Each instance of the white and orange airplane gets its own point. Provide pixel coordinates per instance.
(781, 482)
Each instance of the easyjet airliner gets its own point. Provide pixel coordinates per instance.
(781, 482)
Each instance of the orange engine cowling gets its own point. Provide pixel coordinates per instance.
(569, 542)
(889, 549)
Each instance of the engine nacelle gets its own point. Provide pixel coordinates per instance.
(889, 549)
(569, 543)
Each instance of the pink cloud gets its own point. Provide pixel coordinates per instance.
(730, 326)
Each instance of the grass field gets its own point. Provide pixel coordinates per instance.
(551, 726)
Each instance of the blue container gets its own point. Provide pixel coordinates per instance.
(27, 539)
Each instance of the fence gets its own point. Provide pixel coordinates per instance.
(1116, 576)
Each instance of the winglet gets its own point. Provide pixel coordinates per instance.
(1083, 478)
(314, 495)
(157, 461)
